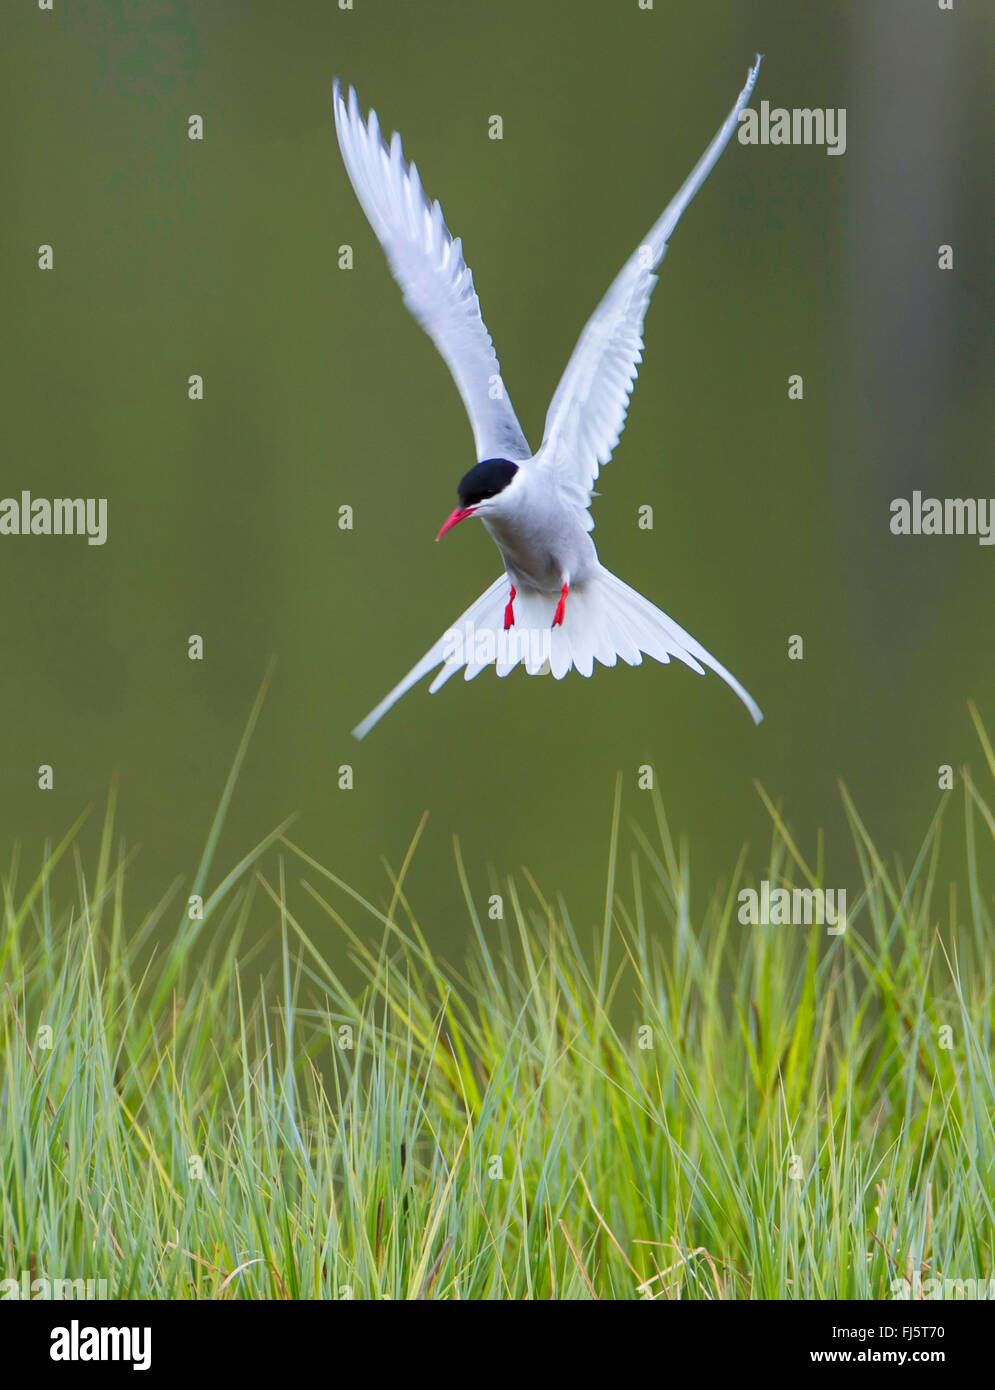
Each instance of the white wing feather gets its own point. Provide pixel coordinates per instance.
(587, 414)
(429, 267)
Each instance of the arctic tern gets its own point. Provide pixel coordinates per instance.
(535, 506)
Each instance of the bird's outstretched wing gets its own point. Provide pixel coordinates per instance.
(429, 267)
(587, 414)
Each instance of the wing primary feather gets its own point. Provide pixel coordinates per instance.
(588, 410)
(429, 267)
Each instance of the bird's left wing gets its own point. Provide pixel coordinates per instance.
(587, 414)
(429, 267)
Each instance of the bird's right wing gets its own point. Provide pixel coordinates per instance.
(429, 267)
(587, 414)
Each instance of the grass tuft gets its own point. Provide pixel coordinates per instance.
(680, 1107)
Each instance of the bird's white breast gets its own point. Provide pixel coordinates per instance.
(541, 537)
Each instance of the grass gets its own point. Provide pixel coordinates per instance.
(684, 1107)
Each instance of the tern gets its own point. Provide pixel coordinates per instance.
(555, 607)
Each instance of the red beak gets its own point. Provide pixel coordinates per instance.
(460, 514)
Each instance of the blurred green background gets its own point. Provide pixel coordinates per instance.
(219, 257)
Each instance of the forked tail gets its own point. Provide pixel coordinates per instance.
(604, 620)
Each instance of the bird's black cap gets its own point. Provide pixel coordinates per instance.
(485, 479)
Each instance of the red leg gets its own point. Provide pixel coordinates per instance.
(509, 612)
(558, 615)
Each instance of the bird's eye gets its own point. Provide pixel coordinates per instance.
(485, 480)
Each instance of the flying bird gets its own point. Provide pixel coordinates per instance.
(555, 607)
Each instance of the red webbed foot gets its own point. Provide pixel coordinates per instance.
(558, 615)
(509, 612)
